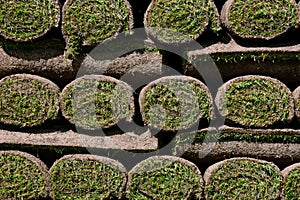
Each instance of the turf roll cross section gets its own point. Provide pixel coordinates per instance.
(243, 178)
(27, 100)
(28, 19)
(254, 19)
(164, 177)
(97, 101)
(255, 101)
(296, 95)
(174, 103)
(89, 22)
(85, 176)
(291, 185)
(173, 21)
(23, 176)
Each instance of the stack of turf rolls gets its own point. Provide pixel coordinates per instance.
(173, 103)
(86, 22)
(27, 100)
(22, 176)
(291, 185)
(173, 21)
(29, 19)
(253, 19)
(255, 101)
(97, 101)
(243, 178)
(84, 176)
(164, 177)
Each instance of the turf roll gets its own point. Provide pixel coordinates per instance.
(291, 185)
(253, 19)
(84, 176)
(296, 95)
(27, 100)
(173, 21)
(29, 19)
(255, 101)
(174, 103)
(97, 101)
(89, 22)
(23, 176)
(164, 177)
(243, 178)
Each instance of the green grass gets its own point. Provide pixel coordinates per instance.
(27, 100)
(262, 19)
(21, 178)
(95, 103)
(175, 21)
(29, 19)
(85, 179)
(258, 102)
(164, 179)
(175, 104)
(292, 185)
(244, 179)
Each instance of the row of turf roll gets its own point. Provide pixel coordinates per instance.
(169, 103)
(86, 176)
(91, 22)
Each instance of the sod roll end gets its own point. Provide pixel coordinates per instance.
(84, 176)
(164, 177)
(243, 178)
(255, 101)
(174, 103)
(27, 20)
(27, 100)
(97, 101)
(23, 176)
(291, 183)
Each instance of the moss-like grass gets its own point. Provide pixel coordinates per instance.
(255, 101)
(180, 21)
(175, 102)
(92, 22)
(96, 101)
(260, 19)
(87, 177)
(22, 176)
(27, 100)
(291, 186)
(164, 177)
(28, 19)
(243, 178)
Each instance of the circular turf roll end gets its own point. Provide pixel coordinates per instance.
(253, 19)
(97, 101)
(243, 178)
(175, 102)
(27, 100)
(255, 101)
(23, 176)
(164, 177)
(28, 19)
(291, 185)
(87, 177)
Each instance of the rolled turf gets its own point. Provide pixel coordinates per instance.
(29, 19)
(291, 185)
(243, 178)
(255, 101)
(164, 177)
(296, 95)
(28, 100)
(90, 22)
(23, 176)
(175, 102)
(173, 21)
(85, 176)
(253, 19)
(97, 101)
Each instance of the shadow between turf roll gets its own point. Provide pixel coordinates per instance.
(84, 176)
(23, 176)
